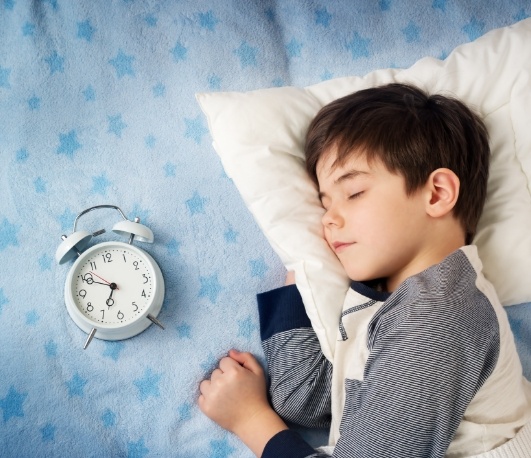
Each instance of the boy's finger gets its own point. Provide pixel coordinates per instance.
(247, 360)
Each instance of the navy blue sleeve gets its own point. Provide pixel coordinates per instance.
(300, 375)
(281, 310)
(289, 444)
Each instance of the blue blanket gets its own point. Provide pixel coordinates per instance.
(97, 107)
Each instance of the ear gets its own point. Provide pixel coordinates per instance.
(442, 190)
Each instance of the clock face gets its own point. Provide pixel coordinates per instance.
(113, 284)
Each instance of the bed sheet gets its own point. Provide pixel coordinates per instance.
(97, 107)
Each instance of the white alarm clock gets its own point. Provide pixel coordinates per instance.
(114, 290)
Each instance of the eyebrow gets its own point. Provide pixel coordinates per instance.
(346, 176)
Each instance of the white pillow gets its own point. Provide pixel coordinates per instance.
(259, 137)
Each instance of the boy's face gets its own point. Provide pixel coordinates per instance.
(373, 226)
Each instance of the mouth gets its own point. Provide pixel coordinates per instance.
(340, 246)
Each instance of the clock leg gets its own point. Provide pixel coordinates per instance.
(154, 320)
(89, 338)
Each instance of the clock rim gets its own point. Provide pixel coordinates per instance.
(116, 331)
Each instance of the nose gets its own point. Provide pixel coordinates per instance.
(332, 217)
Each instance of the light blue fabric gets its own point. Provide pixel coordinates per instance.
(97, 106)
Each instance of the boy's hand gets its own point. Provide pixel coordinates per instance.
(235, 397)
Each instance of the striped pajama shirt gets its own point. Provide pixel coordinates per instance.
(430, 370)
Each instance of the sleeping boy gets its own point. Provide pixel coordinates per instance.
(425, 363)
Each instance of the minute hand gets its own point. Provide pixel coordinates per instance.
(106, 282)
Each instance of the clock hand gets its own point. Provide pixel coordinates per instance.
(112, 285)
(110, 300)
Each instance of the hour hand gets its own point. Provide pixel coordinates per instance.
(107, 283)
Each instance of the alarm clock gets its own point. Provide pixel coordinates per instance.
(114, 290)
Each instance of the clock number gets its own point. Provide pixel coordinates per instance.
(82, 293)
(125, 259)
(87, 278)
(143, 293)
(145, 278)
(89, 307)
(135, 306)
(102, 314)
(106, 257)
(92, 265)
(110, 302)
(136, 265)
(120, 315)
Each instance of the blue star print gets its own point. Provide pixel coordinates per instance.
(123, 64)
(48, 433)
(185, 411)
(85, 30)
(150, 141)
(32, 318)
(170, 169)
(159, 90)
(139, 212)
(66, 219)
(214, 82)
(294, 48)
(45, 262)
(208, 20)
(520, 16)
(184, 331)
(113, 349)
(100, 185)
(196, 203)
(56, 63)
(28, 29)
(247, 55)
(258, 268)
(359, 46)
(89, 94)
(327, 75)
(34, 103)
(51, 349)
(220, 449)
(412, 33)
(246, 327)
(385, 5)
(230, 235)
(270, 15)
(210, 364)
(68, 144)
(210, 287)
(3, 299)
(116, 125)
(474, 29)
(179, 52)
(22, 155)
(151, 20)
(439, 4)
(173, 247)
(40, 185)
(195, 129)
(53, 3)
(12, 404)
(108, 418)
(323, 17)
(4, 77)
(8, 234)
(137, 449)
(148, 385)
(76, 385)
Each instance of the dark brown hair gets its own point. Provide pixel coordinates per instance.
(413, 134)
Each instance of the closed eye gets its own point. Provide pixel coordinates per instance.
(356, 195)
